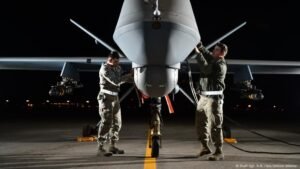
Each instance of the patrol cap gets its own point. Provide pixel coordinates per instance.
(114, 55)
(223, 47)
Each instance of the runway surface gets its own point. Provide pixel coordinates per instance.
(50, 143)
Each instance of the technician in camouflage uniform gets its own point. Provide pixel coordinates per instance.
(209, 113)
(109, 105)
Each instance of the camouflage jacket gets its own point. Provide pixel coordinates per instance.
(212, 72)
(111, 79)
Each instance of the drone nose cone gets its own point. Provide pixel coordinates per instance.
(165, 36)
(156, 81)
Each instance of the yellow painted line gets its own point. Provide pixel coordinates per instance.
(149, 163)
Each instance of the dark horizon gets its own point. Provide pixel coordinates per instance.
(17, 88)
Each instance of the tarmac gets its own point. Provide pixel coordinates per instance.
(51, 143)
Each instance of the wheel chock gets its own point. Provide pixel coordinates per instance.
(230, 140)
(86, 139)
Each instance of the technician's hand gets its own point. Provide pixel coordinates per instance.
(197, 50)
(199, 45)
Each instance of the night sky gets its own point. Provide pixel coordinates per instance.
(42, 28)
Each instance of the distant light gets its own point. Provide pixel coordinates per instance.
(47, 101)
(249, 105)
(237, 105)
(87, 101)
(7, 101)
(29, 105)
(274, 106)
(27, 101)
(68, 101)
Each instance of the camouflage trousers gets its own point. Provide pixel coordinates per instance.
(111, 121)
(209, 120)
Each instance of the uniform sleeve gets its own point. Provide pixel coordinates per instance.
(205, 67)
(107, 74)
(206, 54)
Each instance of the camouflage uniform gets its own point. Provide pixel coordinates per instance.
(109, 105)
(209, 113)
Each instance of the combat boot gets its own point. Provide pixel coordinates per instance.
(217, 156)
(114, 150)
(205, 150)
(103, 152)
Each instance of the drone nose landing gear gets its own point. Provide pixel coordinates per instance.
(155, 142)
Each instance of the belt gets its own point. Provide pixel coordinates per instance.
(109, 92)
(210, 93)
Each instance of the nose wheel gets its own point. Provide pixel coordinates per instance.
(155, 147)
(155, 144)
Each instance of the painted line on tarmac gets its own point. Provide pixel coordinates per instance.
(149, 162)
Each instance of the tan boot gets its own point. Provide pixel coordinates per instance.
(102, 152)
(217, 156)
(205, 150)
(114, 150)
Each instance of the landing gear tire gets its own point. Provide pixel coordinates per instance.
(155, 147)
